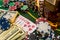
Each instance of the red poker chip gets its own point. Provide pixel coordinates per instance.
(16, 3)
(41, 19)
(6, 1)
(12, 8)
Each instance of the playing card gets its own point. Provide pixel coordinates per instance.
(26, 24)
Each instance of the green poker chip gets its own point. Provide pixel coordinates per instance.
(1, 3)
(11, 4)
(24, 7)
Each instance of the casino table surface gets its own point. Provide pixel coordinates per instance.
(26, 15)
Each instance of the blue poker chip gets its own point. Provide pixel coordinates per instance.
(4, 23)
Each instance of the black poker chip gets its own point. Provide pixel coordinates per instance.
(33, 36)
(6, 6)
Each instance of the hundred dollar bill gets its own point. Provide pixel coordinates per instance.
(9, 34)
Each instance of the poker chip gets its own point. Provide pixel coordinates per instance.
(11, 4)
(58, 37)
(33, 36)
(23, 28)
(41, 19)
(15, 0)
(4, 24)
(12, 8)
(5, 1)
(16, 3)
(43, 27)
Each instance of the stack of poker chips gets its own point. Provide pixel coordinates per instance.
(14, 5)
(5, 3)
(4, 23)
(17, 4)
(43, 25)
(33, 36)
(43, 32)
(44, 28)
(11, 6)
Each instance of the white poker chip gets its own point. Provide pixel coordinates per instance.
(58, 36)
(43, 25)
